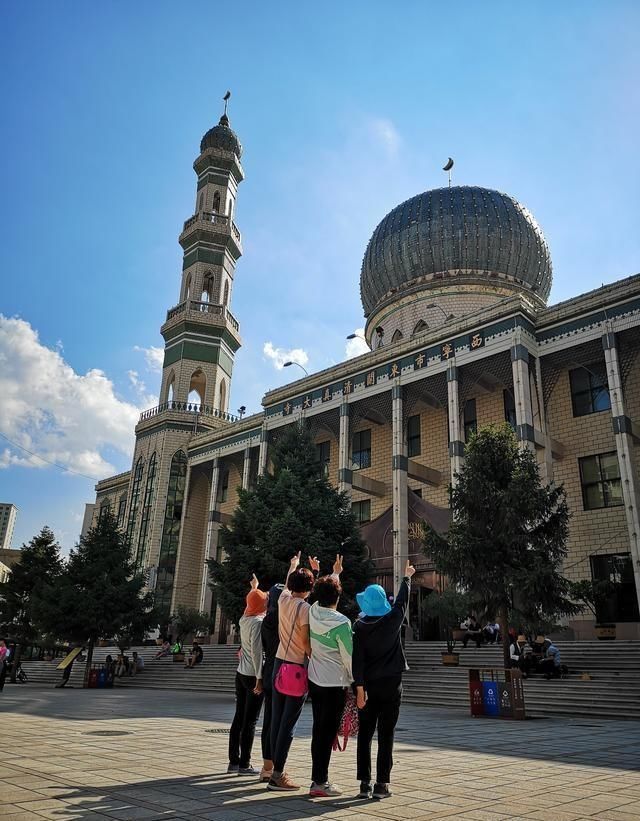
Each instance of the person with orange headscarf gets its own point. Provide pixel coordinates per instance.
(249, 695)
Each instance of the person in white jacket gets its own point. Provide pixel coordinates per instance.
(329, 675)
(248, 683)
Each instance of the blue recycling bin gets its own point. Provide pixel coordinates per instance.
(490, 700)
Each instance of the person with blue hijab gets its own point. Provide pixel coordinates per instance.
(378, 664)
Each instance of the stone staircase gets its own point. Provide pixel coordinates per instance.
(612, 692)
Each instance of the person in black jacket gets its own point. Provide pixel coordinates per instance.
(378, 664)
(270, 642)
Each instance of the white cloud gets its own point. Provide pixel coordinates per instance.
(154, 357)
(46, 407)
(279, 355)
(357, 346)
(386, 134)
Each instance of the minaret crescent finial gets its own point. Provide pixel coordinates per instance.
(226, 101)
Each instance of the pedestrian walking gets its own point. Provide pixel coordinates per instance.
(378, 664)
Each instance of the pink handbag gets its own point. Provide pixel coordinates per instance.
(291, 679)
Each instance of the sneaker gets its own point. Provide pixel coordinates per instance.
(265, 776)
(365, 790)
(324, 790)
(381, 791)
(248, 770)
(282, 784)
(233, 768)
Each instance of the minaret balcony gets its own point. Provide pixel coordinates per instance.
(204, 313)
(201, 416)
(211, 227)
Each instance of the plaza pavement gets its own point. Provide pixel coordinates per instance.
(56, 764)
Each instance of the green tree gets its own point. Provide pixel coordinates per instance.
(39, 564)
(507, 538)
(189, 621)
(292, 508)
(99, 595)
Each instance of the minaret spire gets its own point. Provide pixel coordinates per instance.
(226, 102)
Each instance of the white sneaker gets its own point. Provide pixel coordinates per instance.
(327, 790)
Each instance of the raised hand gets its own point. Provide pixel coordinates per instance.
(314, 564)
(409, 569)
(295, 561)
(254, 582)
(337, 565)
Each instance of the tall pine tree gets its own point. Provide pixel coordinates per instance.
(99, 595)
(39, 564)
(506, 542)
(292, 508)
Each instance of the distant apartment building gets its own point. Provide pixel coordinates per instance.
(8, 514)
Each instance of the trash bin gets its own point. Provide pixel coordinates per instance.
(102, 677)
(93, 677)
(496, 693)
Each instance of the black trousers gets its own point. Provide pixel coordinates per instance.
(3, 674)
(381, 710)
(243, 727)
(285, 712)
(265, 738)
(327, 704)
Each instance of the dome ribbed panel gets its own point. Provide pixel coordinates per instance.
(463, 228)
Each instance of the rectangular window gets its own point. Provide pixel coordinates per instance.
(600, 480)
(323, 453)
(470, 419)
(122, 506)
(361, 450)
(362, 511)
(223, 487)
(589, 393)
(621, 602)
(510, 409)
(414, 446)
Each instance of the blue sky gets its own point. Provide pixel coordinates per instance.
(342, 115)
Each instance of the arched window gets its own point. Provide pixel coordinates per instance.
(171, 534)
(397, 336)
(187, 288)
(105, 507)
(421, 327)
(216, 203)
(146, 514)
(222, 405)
(207, 287)
(122, 507)
(197, 388)
(135, 497)
(171, 388)
(225, 298)
(201, 203)
(230, 204)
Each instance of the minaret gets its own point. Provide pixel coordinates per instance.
(201, 334)
(201, 338)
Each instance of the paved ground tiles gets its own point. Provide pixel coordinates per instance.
(168, 767)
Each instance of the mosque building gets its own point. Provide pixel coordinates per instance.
(454, 287)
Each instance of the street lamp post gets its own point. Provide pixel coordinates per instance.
(290, 363)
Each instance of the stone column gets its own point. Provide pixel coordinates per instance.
(211, 542)
(246, 468)
(547, 464)
(522, 396)
(262, 457)
(400, 502)
(185, 508)
(456, 442)
(622, 428)
(345, 473)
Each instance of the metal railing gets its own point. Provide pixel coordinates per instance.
(203, 308)
(192, 408)
(213, 216)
